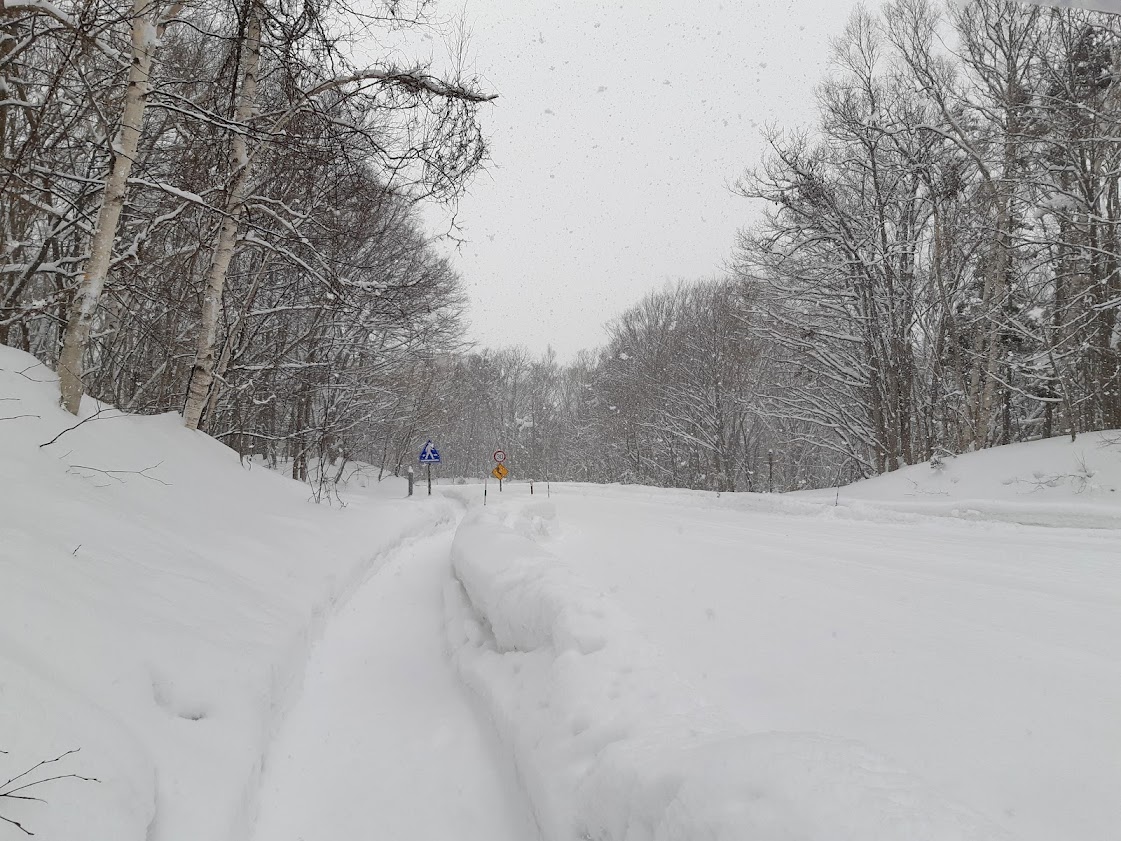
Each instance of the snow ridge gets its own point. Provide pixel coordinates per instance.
(611, 747)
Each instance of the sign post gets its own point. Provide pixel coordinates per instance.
(500, 471)
(428, 457)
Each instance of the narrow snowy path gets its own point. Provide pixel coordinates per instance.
(384, 742)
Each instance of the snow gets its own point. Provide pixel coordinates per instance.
(980, 656)
(612, 745)
(160, 624)
(931, 654)
(1056, 482)
(384, 732)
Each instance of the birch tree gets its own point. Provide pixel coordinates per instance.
(147, 28)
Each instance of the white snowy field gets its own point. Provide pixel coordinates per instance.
(985, 658)
(928, 656)
(911, 615)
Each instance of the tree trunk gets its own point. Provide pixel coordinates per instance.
(202, 374)
(86, 298)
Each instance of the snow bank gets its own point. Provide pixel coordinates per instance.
(1055, 482)
(157, 600)
(611, 747)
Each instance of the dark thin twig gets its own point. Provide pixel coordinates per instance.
(116, 474)
(17, 825)
(34, 783)
(23, 373)
(36, 767)
(94, 416)
(10, 793)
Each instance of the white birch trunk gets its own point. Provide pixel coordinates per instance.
(88, 294)
(202, 373)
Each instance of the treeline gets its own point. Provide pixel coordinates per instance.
(938, 270)
(940, 267)
(210, 207)
(677, 397)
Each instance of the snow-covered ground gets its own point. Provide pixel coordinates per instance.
(934, 635)
(612, 744)
(934, 654)
(384, 742)
(158, 604)
(1057, 482)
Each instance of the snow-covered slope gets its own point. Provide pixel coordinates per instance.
(1052, 482)
(669, 664)
(157, 601)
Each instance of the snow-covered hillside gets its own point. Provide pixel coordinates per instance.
(157, 601)
(1054, 482)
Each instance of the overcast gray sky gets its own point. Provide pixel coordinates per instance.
(617, 132)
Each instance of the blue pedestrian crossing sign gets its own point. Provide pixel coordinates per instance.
(429, 455)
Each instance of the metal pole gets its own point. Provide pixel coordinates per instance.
(485, 491)
(770, 471)
(430, 478)
(411, 477)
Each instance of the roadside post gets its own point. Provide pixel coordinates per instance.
(428, 457)
(412, 478)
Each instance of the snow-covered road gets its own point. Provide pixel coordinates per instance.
(981, 656)
(384, 742)
(984, 657)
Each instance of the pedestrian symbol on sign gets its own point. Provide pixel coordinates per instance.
(428, 457)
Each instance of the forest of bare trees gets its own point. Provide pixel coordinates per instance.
(937, 271)
(211, 209)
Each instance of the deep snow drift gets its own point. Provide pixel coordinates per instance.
(157, 602)
(672, 664)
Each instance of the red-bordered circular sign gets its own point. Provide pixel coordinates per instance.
(500, 456)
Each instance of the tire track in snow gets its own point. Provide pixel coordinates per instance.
(384, 742)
